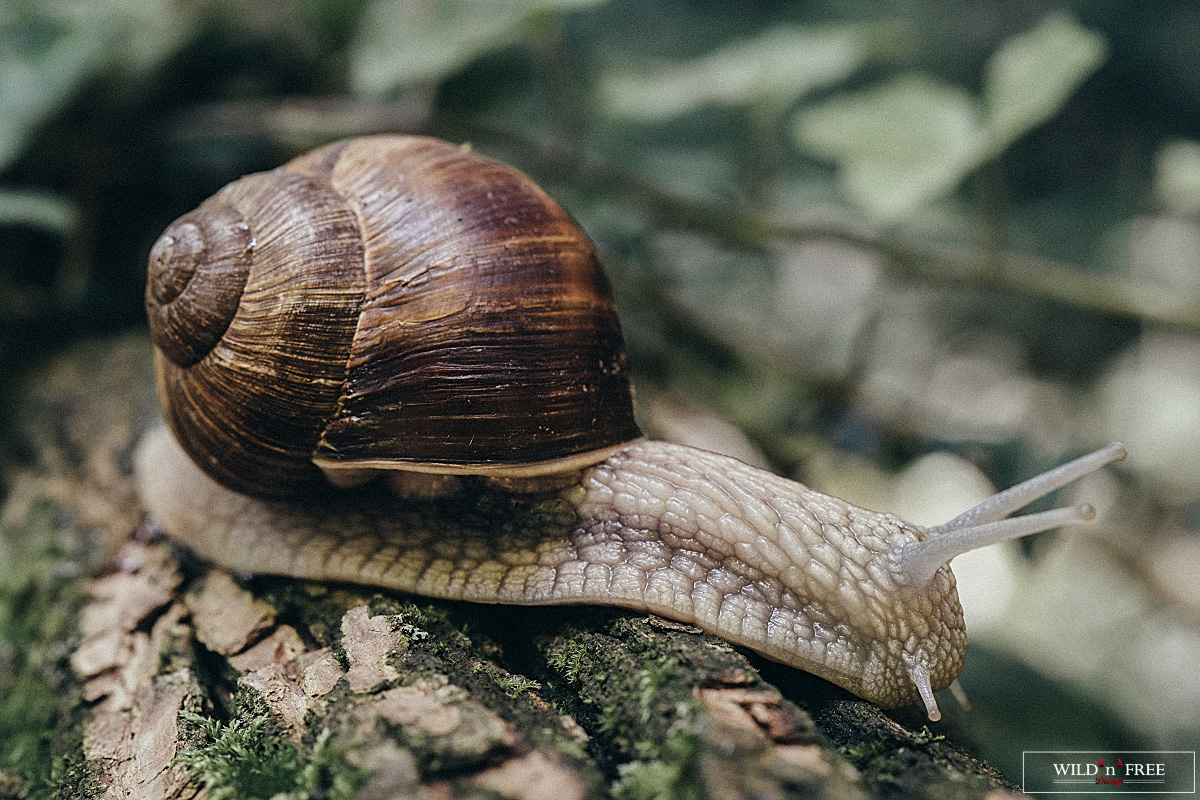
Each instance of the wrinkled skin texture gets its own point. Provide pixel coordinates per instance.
(801, 577)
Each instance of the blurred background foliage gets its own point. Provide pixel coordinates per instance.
(904, 251)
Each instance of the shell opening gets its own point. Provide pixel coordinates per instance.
(986, 523)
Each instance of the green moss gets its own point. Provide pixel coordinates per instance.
(673, 777)
(28, 710)
(874, 757)
(247, 757)
(509, 684)
(569, 659)
(895, 761)
(649, 780)
(39, 598)
(632, 689)
(309, 606)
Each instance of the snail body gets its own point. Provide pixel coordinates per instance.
(430, 267)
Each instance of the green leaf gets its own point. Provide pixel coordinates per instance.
(41, 63)
(1177, 176)
(48, 50)
(912, 140)
(899, 145)
(778, 66)
(36, 209)
(401, 41)
(1030, 77)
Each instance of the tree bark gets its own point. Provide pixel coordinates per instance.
(173, 679)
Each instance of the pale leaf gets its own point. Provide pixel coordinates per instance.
(1030, 77)
(898, 145)
(36, 209)
(776, 66)
(404, 41)
(1177, 176)
(48, 50)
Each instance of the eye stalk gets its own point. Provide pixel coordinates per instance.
(987, 523)
(915, 564)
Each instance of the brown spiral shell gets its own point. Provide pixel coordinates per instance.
(385, 302)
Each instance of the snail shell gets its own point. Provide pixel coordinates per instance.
(388, 302)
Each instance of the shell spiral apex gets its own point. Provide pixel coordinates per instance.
(189, 313)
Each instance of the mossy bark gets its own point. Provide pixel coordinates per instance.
(162, 677)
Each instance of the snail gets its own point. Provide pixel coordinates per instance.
(398, 305)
